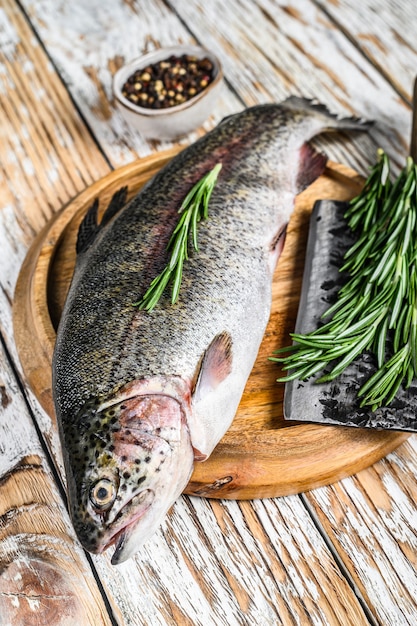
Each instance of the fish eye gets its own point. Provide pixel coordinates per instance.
(103, 494)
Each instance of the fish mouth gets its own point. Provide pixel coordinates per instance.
(126, 526)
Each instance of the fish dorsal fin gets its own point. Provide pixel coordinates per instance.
(117, 202)
(312, 164)
(216, 365)
(89, 227)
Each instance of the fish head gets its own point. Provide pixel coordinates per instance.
(125, 470)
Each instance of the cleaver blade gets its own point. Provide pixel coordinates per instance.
(336, 402)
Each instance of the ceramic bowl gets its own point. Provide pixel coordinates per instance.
(172, 122)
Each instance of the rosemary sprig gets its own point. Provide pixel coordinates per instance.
(376, 309)
(193, 209)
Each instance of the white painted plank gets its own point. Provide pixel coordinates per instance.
(45, 154)
(272, 48)
(229, 563)
(385, 31)
(89, 41)
(372, 519)
(239, 586)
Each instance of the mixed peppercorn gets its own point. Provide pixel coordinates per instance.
(170, 82)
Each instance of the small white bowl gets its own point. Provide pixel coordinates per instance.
(173, 121)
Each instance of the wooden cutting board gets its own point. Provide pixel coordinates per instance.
(261, 455)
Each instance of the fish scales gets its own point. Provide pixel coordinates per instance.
(131, 386)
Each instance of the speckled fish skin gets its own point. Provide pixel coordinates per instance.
(141, 395)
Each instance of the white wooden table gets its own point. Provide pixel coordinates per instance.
(343, 554)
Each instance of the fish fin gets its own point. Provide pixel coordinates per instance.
(89, 227)
(216, 365)
(216, 395)
(335, 122)
(199, 456)
(117, 203)
(299, 102)
(227, 117)
(312, 164)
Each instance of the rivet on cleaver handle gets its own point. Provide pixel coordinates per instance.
(336, 402)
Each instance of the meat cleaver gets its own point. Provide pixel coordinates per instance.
(336, 402)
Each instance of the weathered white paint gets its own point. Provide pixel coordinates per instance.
(385, 31)
(371, 538)
(262, 562)
(301, 52)
(9, 38)
(256, 583)
(114, 32)
(14, 430)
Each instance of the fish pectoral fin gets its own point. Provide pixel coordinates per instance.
(199, 456)
(216, 365)
(89, 227)
(312, 164)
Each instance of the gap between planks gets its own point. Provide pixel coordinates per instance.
(337, 558)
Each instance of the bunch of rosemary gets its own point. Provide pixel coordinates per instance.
(376, 309)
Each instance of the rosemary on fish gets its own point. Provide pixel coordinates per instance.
(376, 309)
(194, 208)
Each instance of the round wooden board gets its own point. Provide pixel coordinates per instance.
(261, 455)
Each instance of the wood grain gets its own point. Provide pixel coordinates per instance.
(261, 455)
(90, 44)
(372, 519)
(210, 564)
(237, 563)
(303, 51)
(46, 157)
(377, 30)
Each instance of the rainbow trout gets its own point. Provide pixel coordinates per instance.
(140, 396)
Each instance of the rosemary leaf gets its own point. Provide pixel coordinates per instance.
(381, 341)
(361, 344)
(193, 209)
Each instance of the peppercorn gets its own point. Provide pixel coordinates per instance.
(169, 82)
